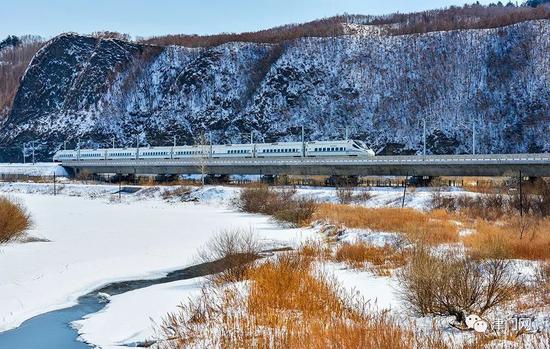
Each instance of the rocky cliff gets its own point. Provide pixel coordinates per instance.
(380, 87)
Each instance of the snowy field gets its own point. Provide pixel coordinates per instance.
(419, 198)
(91, 239)
(91, 242)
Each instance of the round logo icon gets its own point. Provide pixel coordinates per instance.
(481, 326)
(471, 320)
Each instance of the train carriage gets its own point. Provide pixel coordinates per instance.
(156, 153)
(233, 151)
(120, 154)
(190, 151)
(256, 150)
(279, 149)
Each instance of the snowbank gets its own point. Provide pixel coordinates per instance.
(39, 169)
(94, 242)
(131, 317)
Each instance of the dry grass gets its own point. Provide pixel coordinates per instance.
(316, 250)
(536, 292)
(432, 227)
(287, 304)
(14, 219)
(380, 260)
(181, 192)
(521, 238)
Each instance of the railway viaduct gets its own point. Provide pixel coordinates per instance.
(528, 165)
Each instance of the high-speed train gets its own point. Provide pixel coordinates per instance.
(251, 150)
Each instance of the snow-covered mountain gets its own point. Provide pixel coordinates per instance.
(380, 87)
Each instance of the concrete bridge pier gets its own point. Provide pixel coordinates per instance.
(126, 178)
(268, 179)
(216, 179)
(163, 178)
(342, 181)
(420, 181)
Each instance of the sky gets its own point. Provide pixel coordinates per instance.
(145, 18)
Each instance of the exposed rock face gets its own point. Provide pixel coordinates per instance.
(380, 87)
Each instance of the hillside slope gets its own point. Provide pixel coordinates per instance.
(380, 87)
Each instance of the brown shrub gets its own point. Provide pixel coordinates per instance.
(433, 227)
(283, 205)
(487, 206)
(14, 219)
(228, 255)
(181, 192)
(346, 195)
(453, 285)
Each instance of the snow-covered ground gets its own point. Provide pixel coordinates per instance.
(379, 196)
(93, 242)
(134, 316)
(122, 323)
(93, 239)
(37, 169)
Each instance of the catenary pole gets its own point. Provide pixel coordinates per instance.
(303, 143)
(424, 136)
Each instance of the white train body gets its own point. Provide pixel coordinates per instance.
(256, 150)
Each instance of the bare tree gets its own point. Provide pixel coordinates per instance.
(454, 285)
(228, 254)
